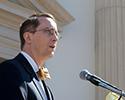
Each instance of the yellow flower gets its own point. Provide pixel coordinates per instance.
(112, 96)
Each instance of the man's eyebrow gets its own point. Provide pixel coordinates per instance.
(51, 28)
(48, 28)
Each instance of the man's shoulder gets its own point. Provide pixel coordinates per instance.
(6, 62)
(7, 65)
(12, 60)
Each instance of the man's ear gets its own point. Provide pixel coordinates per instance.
(27, 37)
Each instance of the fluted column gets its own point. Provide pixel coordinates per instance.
(110, 43)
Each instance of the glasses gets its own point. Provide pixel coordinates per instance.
(50, 32)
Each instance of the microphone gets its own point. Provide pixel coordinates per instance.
(86, 75)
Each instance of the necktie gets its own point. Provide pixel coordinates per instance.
(43, 73)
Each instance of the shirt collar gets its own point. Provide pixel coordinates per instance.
(31, 61)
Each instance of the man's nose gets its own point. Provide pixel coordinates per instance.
(55, 37)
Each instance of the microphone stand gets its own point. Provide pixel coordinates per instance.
(108, 86)
(113, 89)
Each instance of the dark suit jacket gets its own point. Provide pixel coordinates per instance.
(18, 81)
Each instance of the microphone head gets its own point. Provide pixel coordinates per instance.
(84, 74)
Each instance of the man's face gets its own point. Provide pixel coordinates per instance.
(44, 40)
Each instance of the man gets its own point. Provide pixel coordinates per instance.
(18, 76)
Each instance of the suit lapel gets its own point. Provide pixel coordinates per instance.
(48, 91)
(39, 88)
(26, 65)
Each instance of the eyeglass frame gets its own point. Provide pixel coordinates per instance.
(49, 32)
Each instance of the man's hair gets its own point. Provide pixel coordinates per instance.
(30, 25)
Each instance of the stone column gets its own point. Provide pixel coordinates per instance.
(110, 43)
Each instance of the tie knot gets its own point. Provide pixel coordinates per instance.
(43, 73)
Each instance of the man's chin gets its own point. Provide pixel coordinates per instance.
(51, 54)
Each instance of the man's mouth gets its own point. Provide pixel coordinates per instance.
(52, 47)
